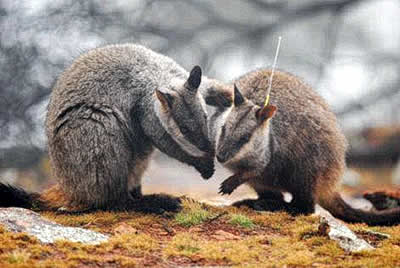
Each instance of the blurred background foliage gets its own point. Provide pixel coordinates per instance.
(348, 50)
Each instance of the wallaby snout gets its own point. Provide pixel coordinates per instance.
(206, 146)
(222, 158)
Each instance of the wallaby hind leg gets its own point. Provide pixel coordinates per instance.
(136, 172)
(274, 199)
(153, 203)
(91, 158)
(303, 201)
(268, 199)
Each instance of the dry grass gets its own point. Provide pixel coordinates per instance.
(190, 238)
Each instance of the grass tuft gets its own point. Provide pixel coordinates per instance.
(241, 220)
(18, 257)
(193, 213)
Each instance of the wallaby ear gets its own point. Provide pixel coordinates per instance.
(238, 99)
(194, 79)
(266, 112)
(165, 99)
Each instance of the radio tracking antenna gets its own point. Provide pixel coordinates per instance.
(273, 70)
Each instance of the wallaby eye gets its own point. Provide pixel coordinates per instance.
(184, 130)
(244, 139)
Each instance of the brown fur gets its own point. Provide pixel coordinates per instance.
(54, 198)
(305, 153)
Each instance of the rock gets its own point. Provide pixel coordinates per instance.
(338, 231)
(25, 220)
(124, 228)
(222, 235)
(196, 230)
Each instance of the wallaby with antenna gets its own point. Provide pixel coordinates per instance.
(107, 113)
(280, 136)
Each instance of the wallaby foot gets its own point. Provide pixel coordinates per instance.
(262, 204)
(156, 203)
(298, 206)
(136, 192)
(296, 211)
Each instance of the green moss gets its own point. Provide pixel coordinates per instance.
(193, 213)
(241, 220)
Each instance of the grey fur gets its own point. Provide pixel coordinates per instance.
(104, 120)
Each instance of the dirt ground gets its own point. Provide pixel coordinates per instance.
(207, 232)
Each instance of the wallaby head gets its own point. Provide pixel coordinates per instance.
(181, 110)
(245, 132)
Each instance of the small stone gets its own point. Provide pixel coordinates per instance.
(125, 228)
(196, 230)
(222, 235)
(323, 228)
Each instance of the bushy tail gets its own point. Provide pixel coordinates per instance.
(340, 209)
(11, 196)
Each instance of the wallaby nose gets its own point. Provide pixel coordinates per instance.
(206, 146)
(220, 158)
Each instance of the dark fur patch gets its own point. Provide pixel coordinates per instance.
(262, 204)
(11, 196)
(156, 203)
(136, 192)
(206, 167)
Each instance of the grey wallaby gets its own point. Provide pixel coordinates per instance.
(293, 144)
(106, 114)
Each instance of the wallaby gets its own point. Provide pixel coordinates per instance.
(292, 144)
(107, 112)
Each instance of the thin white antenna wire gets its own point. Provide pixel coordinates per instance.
(273, 70)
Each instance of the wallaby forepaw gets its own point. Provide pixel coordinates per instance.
(227, 186)
(206, 169)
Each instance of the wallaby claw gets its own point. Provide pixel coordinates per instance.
(228, 186)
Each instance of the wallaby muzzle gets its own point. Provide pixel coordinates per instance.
(222, 158)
